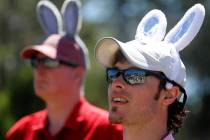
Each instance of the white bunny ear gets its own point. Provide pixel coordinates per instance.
(49, 17)
(187, 28)
(71, 17)
(152, 27)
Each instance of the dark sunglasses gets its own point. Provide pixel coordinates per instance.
(50, 63)
(135, 76)
(131, 76)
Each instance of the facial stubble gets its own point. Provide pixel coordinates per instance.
(113, 118)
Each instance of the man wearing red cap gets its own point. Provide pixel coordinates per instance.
(59, 66)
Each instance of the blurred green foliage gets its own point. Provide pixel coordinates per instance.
(19, 28)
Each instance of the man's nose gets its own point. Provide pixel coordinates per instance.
(118, 83)
(40, 69)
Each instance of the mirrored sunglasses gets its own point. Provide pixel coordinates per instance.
(50, 63)
(131, 76)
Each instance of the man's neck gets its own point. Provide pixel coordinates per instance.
(155, 130)
(58, 113)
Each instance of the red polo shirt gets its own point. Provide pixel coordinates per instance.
(86, 122)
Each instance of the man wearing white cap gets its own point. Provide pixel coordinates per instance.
(59, 65)
(146, 76)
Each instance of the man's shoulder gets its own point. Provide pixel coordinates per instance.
(26, 122)
(32, 118)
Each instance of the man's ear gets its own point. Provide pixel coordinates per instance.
(79, 73)
(170, 95)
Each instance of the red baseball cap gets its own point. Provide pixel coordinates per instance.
(60, 48)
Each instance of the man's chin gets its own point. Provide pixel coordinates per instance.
(114, 116)
(115, 121)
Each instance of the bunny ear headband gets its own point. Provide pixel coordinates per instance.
(151, 49)
(67, 22)
(62, 28)
(153, 26)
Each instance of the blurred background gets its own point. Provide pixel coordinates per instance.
(118, 18)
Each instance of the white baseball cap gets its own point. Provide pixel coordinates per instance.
(150, 50)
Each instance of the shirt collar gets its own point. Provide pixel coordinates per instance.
(41, 121)
(169, 137)
(77, 115)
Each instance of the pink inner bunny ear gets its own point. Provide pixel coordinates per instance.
(49, 17)
(152, 27)
(187, 28)
(71, 17)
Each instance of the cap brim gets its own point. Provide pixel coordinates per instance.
(46, 50)
(106, 49)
